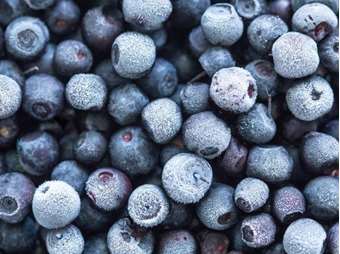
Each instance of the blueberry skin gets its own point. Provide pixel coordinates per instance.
(9, 130)
(333, 4)
(100, 26)
(10, 97)
(216, 58)
(294, 129)
(126, 103)
(45, 62)
(38, 152)
(195, 98)
(96, 245)
(39, 4)
(72, 173)
(177, 241)
(322, 196)
(159, 37)
(168, 151)
(63, 17)
(179, 216)
(264, 30)
(19, 237)
(333, 239)
(43, 96)
(213, 242)
(132, 151)
(105, 70)
(281, 8)
(198, 44)
(274, 249)
(329, 52)
(13, 71)
(161, 81)
(2, 42)
(11, 9)
(331, 128)
(97, 121)
(12, 162)
(249, 9)
(26, 37)
(15, 203)
(66, 144)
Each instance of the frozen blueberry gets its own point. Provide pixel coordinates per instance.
(55, 204)
(233, 89)
(176, 96)
(65, 240)
(169, 151)
(206, 134)
(38, 152)
(186, 178)
(10, 9)
(315, 19)
(16, 194)
(281, 8)
(267, 80)
(249, 9)
(331, 128)
(293, 129)
(329, 52)
(12, 70)
(72, 173)
(333, 4)
(45, 62)
(217, 210)
(126, 103)
(146, 15)
(216, 58)
(258, 230)
(39, 4)
(96, 121)
(108, 188)
(133, 54)
(162, 119)
(161, 81)
(257, 125)
(304, 236)
(9, 130)
(100, 26)
(26, 37)
(86, 92)
(333, 239)
(198, 44)
(12, 162)
(63, 17)
(10, 97)
(322, 195)
(159, 37)
(295, 55)
(177, 241)
(43, 96)
(72, 57)
(251, 194)
(96, 245)
(213, 242)
(195, 98)
(319, 152)
(289, 204)
(264, 30)
(124, 237)
(179, 216)
(221, 24)
(105, 70)
(271, 163)
(132, 151)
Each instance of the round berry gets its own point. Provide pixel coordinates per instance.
(10, 97)
(177, 241)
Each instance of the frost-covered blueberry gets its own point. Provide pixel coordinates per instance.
(10, 97)
(177, 241)
(105, 70)
(12, 70)
(329, 52)
(180, 216)
(195, 98)
(331, 128)
(198, 43)
(249, 9)
(333, 239)
(96, 245)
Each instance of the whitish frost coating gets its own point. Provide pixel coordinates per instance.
(162, 119)
(221, 24)
(310, 99)
(295, 55)
(10, 97)
(233, 89)
(55, 204)
(177, 241)
(304, 236)
(186, 178)
(148, 205)
(333, 239)
(133, 54)
(40, 4)
(65, 240)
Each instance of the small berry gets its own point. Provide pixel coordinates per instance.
(195, 98)
(177, 241)
(333, 239)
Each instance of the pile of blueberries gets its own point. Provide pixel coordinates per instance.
(169, 126)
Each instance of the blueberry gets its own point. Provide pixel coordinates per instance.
(12, 70)
(258, 230)
(39, 4)
(217, 210)
(72, 173)
(38, 152)
(198, 44)
(251, 194)
(72, 57)
(319, 152)
(26, 37)
(329, 52)
(213, 242)
(65, 240)
(133, 54)
(105, 70)
(295, 55)
(216, 58)
(10, 96)
(100, 26)
(12, 162)
(159, 37)
(267, 80)
(333, 239)
(179, 216)
(161, 81)
(322, 196)
(264, 30)
(124, 237)
(132, 151)
(15, 203)
(177, 241)
(333, 4)
(206, 134)
(11, 9)
(294, 129)
(289, 204)
(281, 8)
(108, 188)
(249, 9)
(176, 96)
(195, 98)
(331, 128)
(126, 103)
(236, 240)
(162, 120)
(169, 151)
(221, 24)
(86, 92)
(66, 146)
(96, 121)
(96, 245)
(45, 62)
(63, 17)
(186, 178)
(315, 19)
(272, 164)
(9, 130)
(304, 236)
